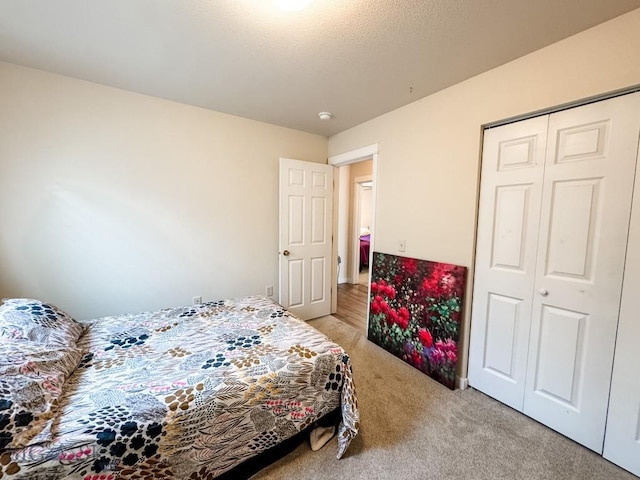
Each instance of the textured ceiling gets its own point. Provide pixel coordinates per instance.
(354, 58)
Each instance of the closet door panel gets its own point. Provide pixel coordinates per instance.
(587, 189)
(622, 440)
(512, 169)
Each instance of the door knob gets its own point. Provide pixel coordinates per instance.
(286, 253)
(544, 292)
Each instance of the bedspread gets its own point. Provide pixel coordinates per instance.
(190, 392)
(365, 246)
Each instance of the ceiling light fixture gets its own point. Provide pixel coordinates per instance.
(292, 5)
(325, 115)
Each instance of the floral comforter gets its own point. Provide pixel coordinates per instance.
(190, 393)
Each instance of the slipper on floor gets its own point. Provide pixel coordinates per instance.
(319, 436)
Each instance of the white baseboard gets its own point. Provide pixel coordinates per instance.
(342, 280)
(462, 383)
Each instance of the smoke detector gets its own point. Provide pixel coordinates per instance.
(325, 115)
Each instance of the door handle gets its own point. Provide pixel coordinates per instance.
(544, 292)
(286, 253)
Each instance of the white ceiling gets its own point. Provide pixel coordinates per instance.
(355, 58)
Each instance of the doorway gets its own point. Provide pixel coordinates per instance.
(355, 213)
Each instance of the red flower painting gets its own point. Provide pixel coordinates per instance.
(425, 337)
(414, 312)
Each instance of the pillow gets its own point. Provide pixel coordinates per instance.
(27, 319)
(32, 377)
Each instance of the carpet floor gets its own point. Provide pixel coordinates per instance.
(414, 428)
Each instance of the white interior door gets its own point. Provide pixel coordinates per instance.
(306, 210)
(588, 184)
(512, 172)
(622, 440)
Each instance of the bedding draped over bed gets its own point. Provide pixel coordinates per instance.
(191, 392)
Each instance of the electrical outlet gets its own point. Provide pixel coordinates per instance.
(402, 245)
(197, 300)
(269, 290)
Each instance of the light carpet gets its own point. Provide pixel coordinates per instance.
(413, 427)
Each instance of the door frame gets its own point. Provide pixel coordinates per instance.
(340, 160)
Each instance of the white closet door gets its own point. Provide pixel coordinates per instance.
(622, 440)
(588, 182)
(512, 171)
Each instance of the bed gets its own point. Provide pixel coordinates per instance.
(365, 245)
(180, 393)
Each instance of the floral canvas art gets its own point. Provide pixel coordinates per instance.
(415, 311)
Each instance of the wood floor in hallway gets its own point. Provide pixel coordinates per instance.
(352, 305)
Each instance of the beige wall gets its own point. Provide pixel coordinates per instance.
(112, 201)
(428, 168)
(366, 203)
(341, 223)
